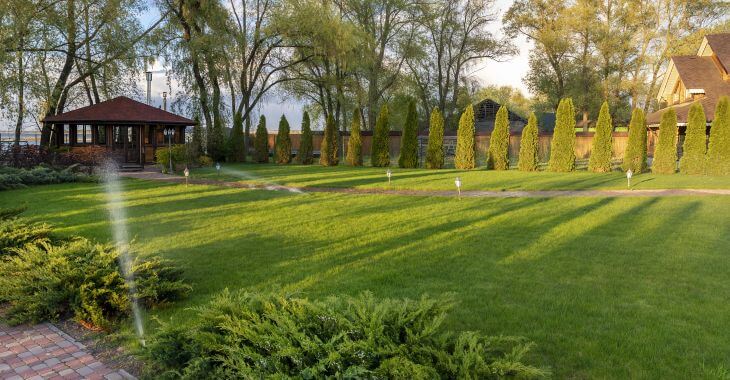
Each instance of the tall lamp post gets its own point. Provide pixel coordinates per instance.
(169, 132)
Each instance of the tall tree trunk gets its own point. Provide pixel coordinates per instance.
(21, 103)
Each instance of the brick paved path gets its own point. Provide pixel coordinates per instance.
(45, 352)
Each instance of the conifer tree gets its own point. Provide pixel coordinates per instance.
(247, 138)
(261, 142)
(465, 148)
(528, 146)
(197, 141)
(694, 149)
(498, 152)
(304, 155)
(380, 155)
(665, 152)
(635, 154)
(354, 144)
(237, 149)
(718, 153)
(283, 142)
(409, 140)
(600, 160)
(328, 149)
(435, 150)
(562, 147)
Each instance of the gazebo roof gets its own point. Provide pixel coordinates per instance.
(120, 110)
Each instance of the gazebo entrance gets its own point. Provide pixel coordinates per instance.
(127, 141)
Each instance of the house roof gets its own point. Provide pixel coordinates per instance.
(120, 110)
(682, 110)
(720, 44)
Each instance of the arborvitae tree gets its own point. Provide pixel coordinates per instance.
(600, 161)
(380, 155)
(718, 153)
(695, 142)
(528, 146)
(247, 138)
(465, 148)
(665, 152)
(354, 144)
(328, 149)
(635, 154)
(197, 142)
(562, 148)
(261, 142)
(409, 140)
(238, 151)
(304, 155)
(498, 152)
(283, 142)
(216, 142)
(435, 150)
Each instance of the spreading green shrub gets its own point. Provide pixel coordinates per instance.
(83, 280)
(695, 142)
(255, 336)
(718, 153)
(600, 160)
(380, 155)
(562, 147)
(16, 178)
(238, 148)
(354, 144)
(498, 152)
(665, 152)
(261, 142)
(635, 155)
(306, 146)
(283, 142)
(465, 147)
(328, 149)
(435, 150)
(409, 140)
(179, 156)
(528, 146)
(16, 232)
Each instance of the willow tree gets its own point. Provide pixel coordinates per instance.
(665, 152)
(498, 152)
(435, 149)
(600, 160)
(465, 147)
(354, 144)
(694, 149)
(528, 146)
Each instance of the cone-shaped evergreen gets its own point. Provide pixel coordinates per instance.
(261, 142)
(354, 144)
(304, 155)
(247, 138)
(635, 154)
(380, 155)
(718, 153)
(600, 161)
(237, 148)
(409, 140)
(328, 149)
(695, 142)
(528, 146)
(665, 152)
(498, 152)
(435, 150)
(283, 142)
(562, 147)
(465, 148)
(197, 142)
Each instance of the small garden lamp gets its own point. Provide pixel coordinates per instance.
(389, 174)
(169, 132)
(629, 174)
(187, 174)
(457, 182)
(218, 168)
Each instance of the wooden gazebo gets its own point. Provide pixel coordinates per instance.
(131, 131)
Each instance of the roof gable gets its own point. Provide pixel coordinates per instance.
(720, 45)
(120, 110)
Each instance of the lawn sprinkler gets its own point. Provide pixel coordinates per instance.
(218, 168)
(389, 174)
(629, 174)
(457, 182)
(187, 174)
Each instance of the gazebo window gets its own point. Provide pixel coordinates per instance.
(83, 134)
(100, 135)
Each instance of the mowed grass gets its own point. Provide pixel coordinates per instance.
(424, 179)
(607, 287)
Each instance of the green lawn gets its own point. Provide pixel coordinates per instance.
(607, 287)
(423, 179)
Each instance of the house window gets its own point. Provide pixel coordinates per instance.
(83, 134)
(66, 132)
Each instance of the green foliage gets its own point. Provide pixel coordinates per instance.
(81, 279)
(261, 142)
(435, 149)
(197, 140)
(562, 147)
(528, 146)
(465, 147)
(238, 150)
(635, 154)
(306, 146)
(718, 153)
(498, 153)
(217, 142)
(328, 149)
(695, 142)
(162, 156)
(17, 232)
(600, 161)
(409, 140)
(274, 335)
(665, 152)
(283, 142)
(16, 178)
(380, 155)
(354, 144)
